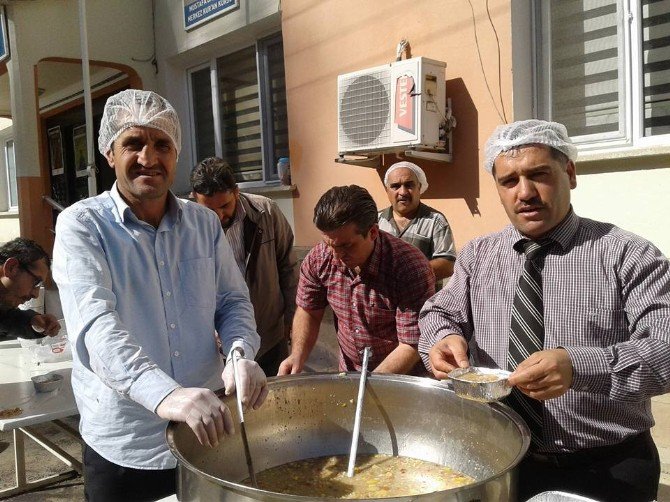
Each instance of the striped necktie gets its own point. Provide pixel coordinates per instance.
(526, 333)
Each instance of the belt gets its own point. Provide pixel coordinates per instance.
(590, 455)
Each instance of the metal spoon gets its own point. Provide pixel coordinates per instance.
(240, 411)
(367, 352)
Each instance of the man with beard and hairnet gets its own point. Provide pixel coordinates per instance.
(577, 309)
(413, 221)
(145, 279)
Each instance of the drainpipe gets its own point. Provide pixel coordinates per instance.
(88, 107)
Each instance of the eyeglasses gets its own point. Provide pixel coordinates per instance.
(39, 282)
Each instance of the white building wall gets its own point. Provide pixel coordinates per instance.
(628, 192)
(122, 32)
(225, 30)
(9, 226)
(635, 200)
(180, 50)
(119, 31)
(9, 219)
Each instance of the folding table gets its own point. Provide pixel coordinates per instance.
(17, 391)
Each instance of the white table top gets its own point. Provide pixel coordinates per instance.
(17, 390)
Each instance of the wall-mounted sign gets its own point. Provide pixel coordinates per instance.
(4, 44)
(197, 12)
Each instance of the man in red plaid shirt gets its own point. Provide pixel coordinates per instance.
(375, 283)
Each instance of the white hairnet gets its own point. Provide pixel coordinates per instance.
(528, 132)
(135, 108)
(420, 175)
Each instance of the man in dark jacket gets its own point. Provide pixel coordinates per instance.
(262, 242)
(24, 266)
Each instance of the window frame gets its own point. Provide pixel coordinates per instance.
(630, 135)
(269, 170)
(265, 106)
(11, 207)
(211, 65)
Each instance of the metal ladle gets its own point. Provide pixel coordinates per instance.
(367, 352)
(240, 411)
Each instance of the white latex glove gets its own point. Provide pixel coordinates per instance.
(45, 323)
(201, 409)
(252, 380)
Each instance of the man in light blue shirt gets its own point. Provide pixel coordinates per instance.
(145, 279)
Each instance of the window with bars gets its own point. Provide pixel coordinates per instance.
(603, 69)
(241, 115)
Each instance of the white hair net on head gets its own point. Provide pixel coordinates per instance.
(135, 108)
(528, 132)
(420, 175)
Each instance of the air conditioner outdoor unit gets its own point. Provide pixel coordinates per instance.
(392, 107)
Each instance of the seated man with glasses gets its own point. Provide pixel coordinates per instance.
(24, 266)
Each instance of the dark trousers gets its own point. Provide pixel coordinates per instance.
(105, 481)
(629, 472)
(271, 360)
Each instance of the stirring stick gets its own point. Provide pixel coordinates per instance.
(240, 412)
(359, 410)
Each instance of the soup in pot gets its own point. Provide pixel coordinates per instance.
(375, 476)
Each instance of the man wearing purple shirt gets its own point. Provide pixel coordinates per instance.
(605, 321)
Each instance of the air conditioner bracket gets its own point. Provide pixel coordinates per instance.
(372, 160)
(434, 156)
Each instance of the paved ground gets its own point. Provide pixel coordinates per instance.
(323, 358)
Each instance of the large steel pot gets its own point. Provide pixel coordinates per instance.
(312, 415)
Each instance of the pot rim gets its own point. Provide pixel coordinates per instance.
(412, 380)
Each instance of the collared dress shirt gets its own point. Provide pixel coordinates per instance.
(429, 231)
(141, 306)
(378, 307)
(606, 301)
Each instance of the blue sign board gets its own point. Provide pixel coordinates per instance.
(4, 45)
(197, 12)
